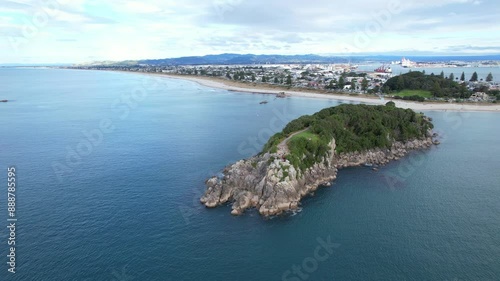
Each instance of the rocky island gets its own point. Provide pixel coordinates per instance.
(309, 152)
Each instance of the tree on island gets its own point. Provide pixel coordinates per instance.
(228, 76)
(391, 103)
(353, 85)
(462, 77)
(474, 77)
(276, 80)
(452, 77)
(289, 79)
(253, 77)
(489, 78)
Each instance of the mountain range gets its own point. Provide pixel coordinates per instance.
(232, 59)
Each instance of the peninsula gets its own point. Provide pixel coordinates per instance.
(309, 152)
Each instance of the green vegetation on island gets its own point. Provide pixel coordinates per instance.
(354, 128)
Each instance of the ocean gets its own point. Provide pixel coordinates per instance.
(110, 167)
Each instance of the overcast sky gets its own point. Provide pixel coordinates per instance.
(67, 31)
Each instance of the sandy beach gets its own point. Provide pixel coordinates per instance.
(265, 89)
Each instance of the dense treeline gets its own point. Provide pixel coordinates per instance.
(438, 85)
(412, 98)
(354, 127)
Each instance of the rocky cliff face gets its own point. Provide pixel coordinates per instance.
(271, 184)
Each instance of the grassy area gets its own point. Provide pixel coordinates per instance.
(306, 148)
(408, 93)
(305, 135)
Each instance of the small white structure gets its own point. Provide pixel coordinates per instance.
(406, 63)
(479, 96)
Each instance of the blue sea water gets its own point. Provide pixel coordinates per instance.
(124, 205)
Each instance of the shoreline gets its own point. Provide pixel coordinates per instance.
(254, 88)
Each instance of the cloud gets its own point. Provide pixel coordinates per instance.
(133, 29)
(471, 48)
(141, 7)
(9, 6)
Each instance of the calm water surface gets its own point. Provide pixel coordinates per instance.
(126, 207)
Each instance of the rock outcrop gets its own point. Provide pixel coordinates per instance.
(269, 183)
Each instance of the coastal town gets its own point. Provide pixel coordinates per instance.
(344, 78)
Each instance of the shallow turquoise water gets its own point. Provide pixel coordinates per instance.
(128, 208)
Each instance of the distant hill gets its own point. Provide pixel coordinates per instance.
(232, 59)
(245, 59)
(310, 58)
